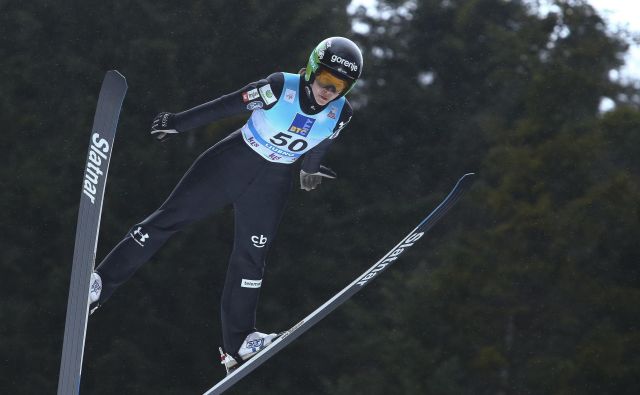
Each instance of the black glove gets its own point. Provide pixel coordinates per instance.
(163, 126)
(309, 181)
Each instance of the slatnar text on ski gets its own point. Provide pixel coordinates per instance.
(93, 170)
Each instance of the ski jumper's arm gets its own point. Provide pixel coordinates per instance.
(241, 101)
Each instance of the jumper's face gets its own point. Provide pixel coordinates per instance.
(327, 87)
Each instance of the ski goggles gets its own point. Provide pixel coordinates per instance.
(327, 81)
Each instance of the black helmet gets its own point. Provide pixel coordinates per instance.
(340, 56)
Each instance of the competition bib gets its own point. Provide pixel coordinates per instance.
(284, 133)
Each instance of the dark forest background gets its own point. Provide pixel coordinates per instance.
(530, 286)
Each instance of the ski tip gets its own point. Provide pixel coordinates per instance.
(468, 176)
(466, 180)
(116, 75)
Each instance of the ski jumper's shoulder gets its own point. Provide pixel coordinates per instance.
(264, 93)
(343, 119)
(347, 110)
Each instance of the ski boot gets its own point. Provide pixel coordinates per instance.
(95, 288)
(253, 344)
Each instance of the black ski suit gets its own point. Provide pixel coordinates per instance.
(230, 172)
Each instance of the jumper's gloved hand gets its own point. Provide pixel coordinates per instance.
(309, 181)
(163, 126)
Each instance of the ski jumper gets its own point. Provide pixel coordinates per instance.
(250, 169)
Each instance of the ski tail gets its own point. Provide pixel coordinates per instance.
(112, 92)
(338, 299)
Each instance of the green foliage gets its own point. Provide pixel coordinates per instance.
(531, 285)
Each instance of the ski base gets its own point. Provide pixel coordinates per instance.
(112, 92)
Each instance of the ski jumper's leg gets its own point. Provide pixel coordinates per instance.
(257, 214)
(211, 182)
